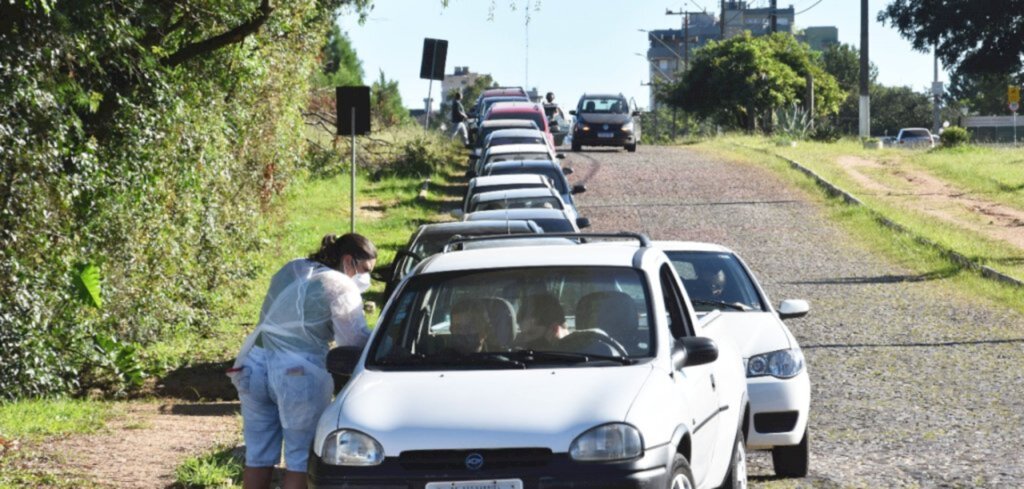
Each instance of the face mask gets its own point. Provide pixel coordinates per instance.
(362, 281)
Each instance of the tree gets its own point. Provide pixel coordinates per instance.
(983, 94)
(340, 65)
(843, 62)
(971, 36)
(387, 108)
(736, 81)
(895, 107)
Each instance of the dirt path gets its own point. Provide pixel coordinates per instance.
(918, 191)
(142, 445)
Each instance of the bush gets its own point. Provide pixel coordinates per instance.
(954, 136)
(826, 133)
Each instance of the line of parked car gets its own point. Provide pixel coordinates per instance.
(516, 352)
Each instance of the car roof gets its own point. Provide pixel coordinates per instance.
(518, 148)
(519, 193)
(480, 227)
(691, 246)
(490, 92)
(515, 107)
(516, 132)
(618, 255)
(522, 214)
(602, 95)
(510, 123)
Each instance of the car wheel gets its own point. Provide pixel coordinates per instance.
(736, 478)
(791, 461)
(682, 477)
(631, 148)
(576, 146)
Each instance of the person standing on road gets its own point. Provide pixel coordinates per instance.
(459, 118)
(280, 372)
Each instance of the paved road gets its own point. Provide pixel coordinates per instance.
(913, 384)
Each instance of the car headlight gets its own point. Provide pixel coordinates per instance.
(782, 364)
(605, 443)
(627, 127)
(350, 447)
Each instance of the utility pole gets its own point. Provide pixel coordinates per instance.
(936, 95)
(775, 17)
(865, 98)
(721, 21)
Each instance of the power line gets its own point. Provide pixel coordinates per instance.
(808, 8)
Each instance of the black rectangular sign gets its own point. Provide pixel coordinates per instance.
(348, 98)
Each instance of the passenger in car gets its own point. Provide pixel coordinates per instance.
(469, 327)
(541, 322)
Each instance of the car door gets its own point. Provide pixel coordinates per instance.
(696, 385)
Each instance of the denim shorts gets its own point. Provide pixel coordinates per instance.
(283, 395)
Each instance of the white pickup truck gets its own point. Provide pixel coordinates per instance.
(634, 392)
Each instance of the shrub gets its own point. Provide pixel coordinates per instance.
(826, 133)
(954, 136)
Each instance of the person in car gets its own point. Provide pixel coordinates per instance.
(541, 322)
(280, 372)
(469, 327)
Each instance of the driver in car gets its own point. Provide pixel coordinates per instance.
(541, 322)
(470, 327)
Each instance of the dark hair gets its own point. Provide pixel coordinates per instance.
(457, 96)
(333, 248)
(544, 308)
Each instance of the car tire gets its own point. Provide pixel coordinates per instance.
(631, 148)
(681, 476)
(736, 478)
(791, 461)
(576, 146)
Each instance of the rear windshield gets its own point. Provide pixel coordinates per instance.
(536, 117)
(552, 173)
(549, 202)
(517, 140)
(919, 133)
(518, 157)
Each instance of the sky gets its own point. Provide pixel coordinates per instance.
(576, 46)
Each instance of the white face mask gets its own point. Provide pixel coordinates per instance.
(362, 281)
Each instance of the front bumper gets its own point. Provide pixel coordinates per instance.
(591, 138)
(779, 410)
(559, 472)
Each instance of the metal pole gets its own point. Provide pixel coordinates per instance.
(936, 116)
(865, 98)
(430, 91)
(686, 40)
(1015, 128)
(775, 21)
(352, 215)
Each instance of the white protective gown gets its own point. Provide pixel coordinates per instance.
(307, 303)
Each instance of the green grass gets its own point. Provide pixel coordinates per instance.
(34, 419)
(219, 469)
(863, 225)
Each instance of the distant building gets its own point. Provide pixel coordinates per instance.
(458, 80)
(820, 37)
(740, 17)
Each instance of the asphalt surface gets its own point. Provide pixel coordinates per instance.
(914, 384)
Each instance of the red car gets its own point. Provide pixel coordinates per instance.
(521, 110)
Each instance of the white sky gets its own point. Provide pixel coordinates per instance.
(579, 45)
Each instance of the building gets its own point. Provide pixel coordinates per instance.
(458, 80)
(820, 37)
(740, 17)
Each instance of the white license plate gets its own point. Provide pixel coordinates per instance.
(484, 484)
(606, 134)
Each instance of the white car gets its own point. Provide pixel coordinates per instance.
(550, 220)
(637, 394)
(513, 152)
(915, 137)
(716, 278)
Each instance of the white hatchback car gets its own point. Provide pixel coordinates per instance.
(635, 392)
(715, 278)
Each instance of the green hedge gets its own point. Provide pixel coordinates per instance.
(123, 155)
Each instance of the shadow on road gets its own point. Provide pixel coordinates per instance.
(205, 409)
(883, 279)
(935, 344)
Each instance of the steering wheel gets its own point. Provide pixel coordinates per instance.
(593, 341)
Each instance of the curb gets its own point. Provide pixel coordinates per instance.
(949, 254)
(423, 189)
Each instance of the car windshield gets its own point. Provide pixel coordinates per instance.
(490, 319)
(716, 281)
(916, 133)
(517, 157)
(600, 105)
(549, 202)
(551, 172)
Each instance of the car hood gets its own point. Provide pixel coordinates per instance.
(754, 332)
(487, 409)
(603, 118)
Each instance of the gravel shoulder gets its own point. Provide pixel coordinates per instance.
(914, 383)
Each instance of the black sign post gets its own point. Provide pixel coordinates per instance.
(353, 118)
(432, 66)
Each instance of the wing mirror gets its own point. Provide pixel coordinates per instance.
(579, 189)
(582, 222)
(636, 113)
(693, 350)
(567, 171)
(342, 361)
(560, 156)
(793, 308)
(457, 214)
(572, 112)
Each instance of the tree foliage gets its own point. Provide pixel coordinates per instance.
(386, 104)
(140, 138)
(340, 66)
(971, 36)
(736, 81)
(983, 94)
(893, 108)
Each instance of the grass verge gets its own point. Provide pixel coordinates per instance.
(901, 248)
(221, 468)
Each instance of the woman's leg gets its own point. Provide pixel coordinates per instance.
(257, 477)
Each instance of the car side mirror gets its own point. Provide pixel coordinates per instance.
(582, 222)
(342, 361)
(567, 171)
(793, 308)
(560, 156)
(578, 189)
(470, 174)
(691, 351)
(636, 113)
(572, 112)
(457, 213)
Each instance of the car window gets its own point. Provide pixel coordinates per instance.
(549, 202)
(517, 157)
(517, 140)
(916, 134)
(459, 320)
(551, 173)
(715, 280)
(602, 105)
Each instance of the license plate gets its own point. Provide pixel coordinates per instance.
(606, 134)
(484, 484)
